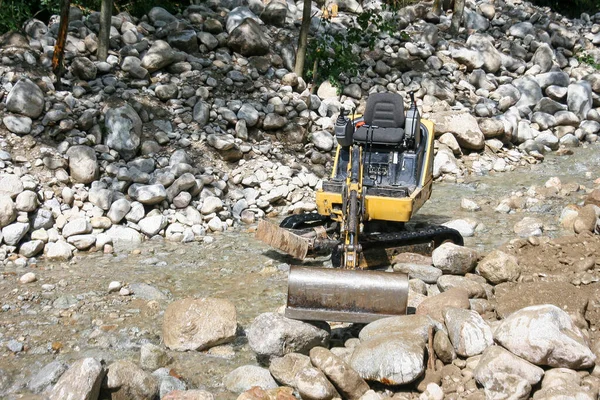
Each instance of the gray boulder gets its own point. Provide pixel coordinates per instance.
(83, 164)
(160, 55)
(393, 359)
(17, 124)
(8, 210)
(468, 332)
(579, 98)
(150, 194)
(545, 335)
(285, 369)
(125, 380)
(123, 131)
(198, 324)
(81, 381)
(10, 185)
(454, 259)
(248, 39)
(14, 232)
(201, 113)
(463, 126)
(498, 267)
(160, 17)
(83, 68)
(531, 92)
(312, 383)
(275, 13)
(46, 376)
(237, 16)
(272, 334)
(25, 98)
(348, 382)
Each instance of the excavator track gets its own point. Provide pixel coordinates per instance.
(298, 221)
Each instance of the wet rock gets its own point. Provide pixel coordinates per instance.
(545, 335)
(248, 39)
(198, 324)
(125, 380)
(17, 124)
(25, 98)
(8, 210)
(46, 376)
(146, 292)
(123, 131)
(81, 381)
(454, 259)
(390, 359)
(312, 384)
(272, 334)
(346, 380)
(495, 360)
(435, 305)
(498, 267)
(284, 369)
(247, 376)
(152, 357)
(468, 332)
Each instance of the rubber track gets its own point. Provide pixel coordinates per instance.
(295, 221)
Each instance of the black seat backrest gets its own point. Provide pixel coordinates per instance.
(385, 110)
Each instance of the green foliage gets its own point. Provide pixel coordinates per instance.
(572, 8)
(12, 14)
(586, 58)
(335, 51)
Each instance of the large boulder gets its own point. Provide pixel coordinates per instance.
(237, 16)
(394, 359)
(25, 98)
(484, 45)
(454, 259)
(496, 360)
(198, 324)
(312, 384)
(81, 381)
(248, 39)
(417, 325)
(463, 126)
(498, 267)
(545, 335)
(285, 369)
(579, 98)
(272, 334)
(435, 306)
(83, 164)
(83, 68)
(123, 131)
(8, 210)
(275, 13)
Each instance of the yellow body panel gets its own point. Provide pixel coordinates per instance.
(386, 208)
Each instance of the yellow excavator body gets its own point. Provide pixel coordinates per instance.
(382, 175)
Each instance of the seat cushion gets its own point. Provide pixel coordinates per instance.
(385, 136)
(385, 110)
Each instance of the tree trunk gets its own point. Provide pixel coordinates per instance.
(437, 7)
(303, 39)
(104, 34)
(59, 48)
(457, 16)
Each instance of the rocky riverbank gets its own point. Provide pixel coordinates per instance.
(195, 126)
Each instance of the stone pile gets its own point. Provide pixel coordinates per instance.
(195, 123)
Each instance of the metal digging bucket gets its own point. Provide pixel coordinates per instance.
(345, 295)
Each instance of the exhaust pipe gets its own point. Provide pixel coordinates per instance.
(325, 294)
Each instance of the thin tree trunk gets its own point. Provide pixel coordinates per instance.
(104, 34)
(59, 48)
(437, 7)
(457, 16)
(303, 39)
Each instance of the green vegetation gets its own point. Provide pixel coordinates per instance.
(335, 51)
(586, 58)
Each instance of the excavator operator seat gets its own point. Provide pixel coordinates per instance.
(384, 120)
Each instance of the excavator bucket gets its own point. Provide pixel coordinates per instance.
(359, 296)
(282, 239)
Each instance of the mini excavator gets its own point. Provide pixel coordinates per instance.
(382, 175)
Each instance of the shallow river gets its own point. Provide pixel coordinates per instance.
(68, 313)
